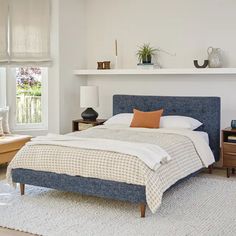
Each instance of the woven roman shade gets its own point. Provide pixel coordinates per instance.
(26, 33)
(3, 30)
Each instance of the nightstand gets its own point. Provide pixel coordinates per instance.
(228, 150)
(86, 124)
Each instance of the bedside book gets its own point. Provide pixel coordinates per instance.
(83, 126)
(232, 139)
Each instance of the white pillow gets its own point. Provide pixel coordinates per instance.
(179, 122)
(120, 119)
(168, 122)
(4, 112)
(1, 129)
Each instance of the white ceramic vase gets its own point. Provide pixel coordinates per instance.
(214, 57)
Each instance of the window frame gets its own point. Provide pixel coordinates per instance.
(3, 85)
(11, 101)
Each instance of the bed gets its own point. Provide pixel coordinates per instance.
(205, 109)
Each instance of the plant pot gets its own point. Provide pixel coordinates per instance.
(147, 59)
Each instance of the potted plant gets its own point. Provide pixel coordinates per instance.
(145, 53)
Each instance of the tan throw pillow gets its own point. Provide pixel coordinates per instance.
(4, 113)
(149, 119)
(1, 129)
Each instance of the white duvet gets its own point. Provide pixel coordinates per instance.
(198, 139)
(152, 155)
(200, 142)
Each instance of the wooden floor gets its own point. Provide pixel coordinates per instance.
(8, 232)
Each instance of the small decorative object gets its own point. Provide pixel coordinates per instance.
(205, 64)
(116, 52)
(214, 57)
(145, 54)
(233, 124)
(88, 99)
(106, 65)
(100, 65)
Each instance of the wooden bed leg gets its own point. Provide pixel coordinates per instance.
(143, 209)
(210, 168)
(22, 189)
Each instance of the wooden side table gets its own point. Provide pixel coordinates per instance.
(228, 150)
(76, 123)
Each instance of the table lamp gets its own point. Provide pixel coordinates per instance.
(89, 99)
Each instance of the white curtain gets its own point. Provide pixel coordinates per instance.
(3, 30)
(29, 31)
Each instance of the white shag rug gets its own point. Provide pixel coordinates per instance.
(203, 205)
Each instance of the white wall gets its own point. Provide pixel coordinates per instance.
(53, 74)
(72, 46)
(183, 27)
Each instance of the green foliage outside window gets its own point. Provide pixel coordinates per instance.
(28, 81)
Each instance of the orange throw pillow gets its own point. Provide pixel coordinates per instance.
(149, 119)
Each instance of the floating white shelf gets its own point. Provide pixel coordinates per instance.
(184, 71)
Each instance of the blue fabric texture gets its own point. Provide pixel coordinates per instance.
(83, 185)
(205, 109)
(88, 186)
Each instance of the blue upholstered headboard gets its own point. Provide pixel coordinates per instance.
(205, 109)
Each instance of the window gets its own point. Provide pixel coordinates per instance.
(28, 95)
(2, 87)
(25, 41)
(28, 98)
(31, 94)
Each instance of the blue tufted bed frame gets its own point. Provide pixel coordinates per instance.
(205, 109)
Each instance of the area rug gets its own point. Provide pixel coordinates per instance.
(203, 205)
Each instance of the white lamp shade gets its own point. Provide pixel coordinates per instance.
(89, 96)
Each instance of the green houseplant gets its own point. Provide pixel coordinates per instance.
(145, 53)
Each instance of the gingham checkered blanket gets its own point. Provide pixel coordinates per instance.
(118, 166)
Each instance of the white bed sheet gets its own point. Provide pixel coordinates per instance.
(204, 135)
